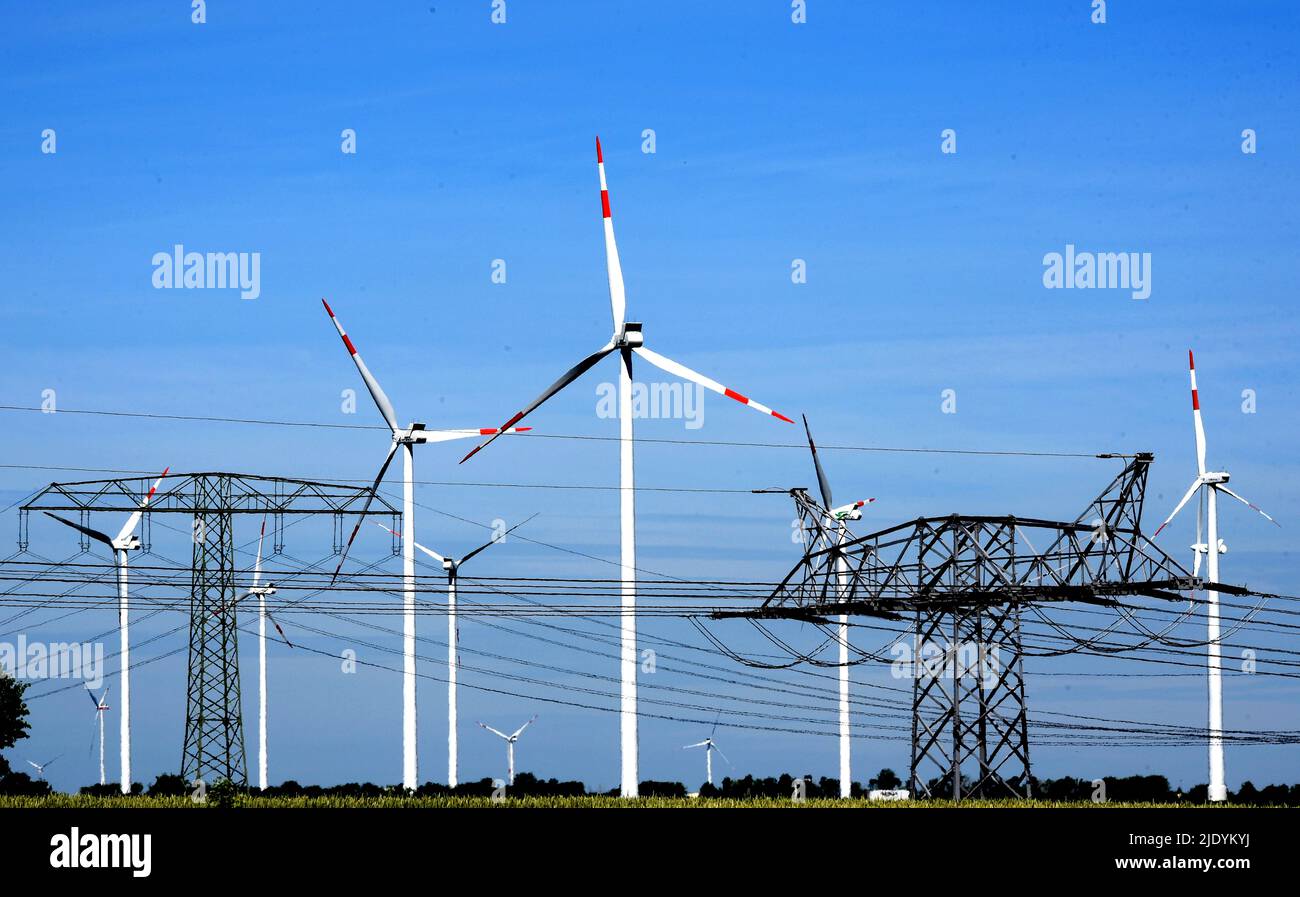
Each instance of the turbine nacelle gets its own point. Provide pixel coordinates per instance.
(851, 511)
(1204, 548)
(412, 435)
(1212, 477)
(631, 336)
(130, 543)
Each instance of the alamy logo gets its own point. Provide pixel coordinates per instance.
(89, 851)
(1098, 271)
(181, 270)
(655, 401)
(939, 660)
(56, 660)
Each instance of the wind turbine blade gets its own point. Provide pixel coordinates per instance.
(103, 697)
(91, 695)
(697, 744)
(520, 730)
(33, 765)
(1196, 415)
(490, 542)
(93, 533)
(495, 731)
(1254, 507)
(617, 296)
(376, 391)
(374, 490)
(279, 630)
(566, 378)
(1196, 484)
(429, 551)
(714, 730)
(1196, 563)
(129, 526)
(681, 370)
(723, 756)
(448, 435)
(822, 482)
(257, 565)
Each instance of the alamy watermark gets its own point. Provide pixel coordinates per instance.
(53, 660)
(181, 270)
(656, 401)
(936, 660)
(1074, 270)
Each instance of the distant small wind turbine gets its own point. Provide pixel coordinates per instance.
(510, 745)
(260, 591)
(100, 707)
(452, 566)
(40, 767)
(709, 747)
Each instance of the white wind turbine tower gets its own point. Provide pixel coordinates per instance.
(126, 540)
(709, 747)
(510, 745)
(1210, 483)
(452, 567)
(406, 438)
(627, 338)
(833, 531)
(101, 706)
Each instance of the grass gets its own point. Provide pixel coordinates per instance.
(75, 801)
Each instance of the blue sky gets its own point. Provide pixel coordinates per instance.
(774, 142)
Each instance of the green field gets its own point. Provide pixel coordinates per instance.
(67, 801)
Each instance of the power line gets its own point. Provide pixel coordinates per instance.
(535, 435)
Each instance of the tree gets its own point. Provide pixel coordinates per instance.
(13, 728)
(13, 711)
(885, 780)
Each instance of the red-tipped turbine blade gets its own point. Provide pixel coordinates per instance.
(565, 379)
(1196, 415)
(1254, 507)
(1196, 484)
(374, 490)
(686, 373)
(376, 391)
(134, 519)
(614, 268)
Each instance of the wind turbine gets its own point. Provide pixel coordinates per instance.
(100, 707)
(452, 566)
(40, 767)
(510, 745)
(833, 531)
(263, 615)
(406, 438)
(1209, 483)
(627, 338)
(709, 747)
(126, 540)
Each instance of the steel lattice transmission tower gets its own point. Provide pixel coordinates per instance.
(213, 745)
(214, 727)
(963, 582)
